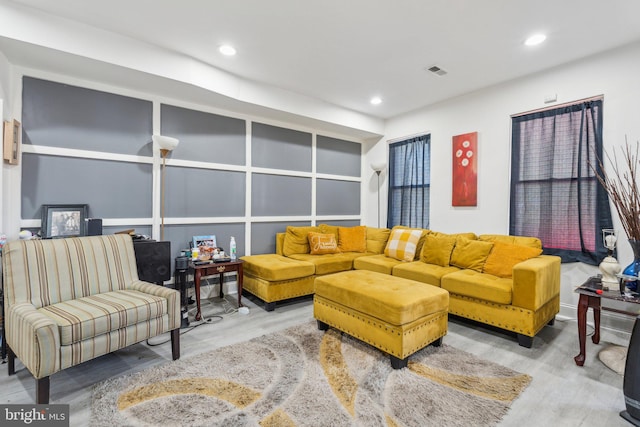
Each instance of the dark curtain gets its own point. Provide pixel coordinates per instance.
(555, 194)
(409, 181)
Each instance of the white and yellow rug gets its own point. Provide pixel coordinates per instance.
(305, 377)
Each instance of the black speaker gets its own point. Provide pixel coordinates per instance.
(631, 385)
(94, 226)
(153, 260)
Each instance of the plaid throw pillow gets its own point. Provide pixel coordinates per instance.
(402, 244)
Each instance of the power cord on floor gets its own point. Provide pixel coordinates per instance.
(227, 308)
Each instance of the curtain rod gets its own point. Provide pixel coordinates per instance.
(404, 138)
(565, 104)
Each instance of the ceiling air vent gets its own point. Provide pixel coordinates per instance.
(437, 70)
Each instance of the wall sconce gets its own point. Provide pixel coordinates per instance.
(166, 144)
(609, 266)
(378, 167)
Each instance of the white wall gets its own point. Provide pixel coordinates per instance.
(612, 74)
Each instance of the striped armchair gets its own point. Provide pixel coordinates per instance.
(71, 300)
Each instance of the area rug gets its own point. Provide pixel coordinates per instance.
(305, 377)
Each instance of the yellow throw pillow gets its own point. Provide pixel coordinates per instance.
(377, 239)
(471, 254)
(296, 240)
(532, 242)
(505, 256)
(424, 232)
(329, 229)
(403, 243)
(352, 239)
(437, 249)
(321, 244)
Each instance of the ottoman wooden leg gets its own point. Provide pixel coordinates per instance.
(437, 343)
(525, 341)
(322, 326)
(269, 306)
(398, 363)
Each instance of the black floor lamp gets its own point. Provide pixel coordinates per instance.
(166, 144)
(378, 167)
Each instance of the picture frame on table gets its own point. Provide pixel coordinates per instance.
(63, 220)
(208, 241)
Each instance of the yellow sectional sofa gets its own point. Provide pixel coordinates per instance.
(499, 280)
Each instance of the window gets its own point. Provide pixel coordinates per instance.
(555, 194)
(409, 181)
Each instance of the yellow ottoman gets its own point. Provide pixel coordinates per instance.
(398, 316)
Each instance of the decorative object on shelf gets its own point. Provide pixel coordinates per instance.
(12, 142)
(63, 220)
(378, 167)
(622, 187)
(3, 240)
(166, 144)
(609, 266)
(465, 170)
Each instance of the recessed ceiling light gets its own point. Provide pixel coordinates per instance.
(376, 100)
(227, 50)
(535, 39)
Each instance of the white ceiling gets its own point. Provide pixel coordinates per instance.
(346, 51)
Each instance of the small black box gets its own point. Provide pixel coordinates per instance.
(94, 226)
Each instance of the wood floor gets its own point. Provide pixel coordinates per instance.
(561, 393)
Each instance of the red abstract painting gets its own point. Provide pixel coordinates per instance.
(465, 170)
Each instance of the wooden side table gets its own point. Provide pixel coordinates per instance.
(211, 269)
(589, 298)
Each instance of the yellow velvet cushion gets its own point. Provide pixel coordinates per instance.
(329, 229)
(532, 242)
(352, 239)
(377, 239)
(296, 240)
(471, 254)
(504, 256)
(437, 249)
(403, 243)
(320, 244)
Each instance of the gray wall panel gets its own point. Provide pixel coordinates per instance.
(60, 115)
(111, 189)
(280, 148)
(273, 195)
(337, 157)
(204, 136)
(191, 192)
(337, 197)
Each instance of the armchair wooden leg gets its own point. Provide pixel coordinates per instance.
(42, 391)
(175, 344)
(11, 361)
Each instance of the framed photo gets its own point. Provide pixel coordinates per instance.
(208, 241)
(63, 220)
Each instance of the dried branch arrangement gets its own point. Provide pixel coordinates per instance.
(622, 186)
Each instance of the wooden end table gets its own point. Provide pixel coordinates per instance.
(211, 269)
(589, 298)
